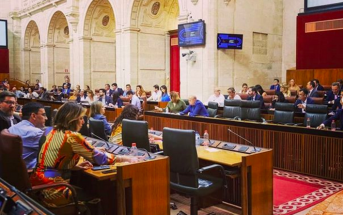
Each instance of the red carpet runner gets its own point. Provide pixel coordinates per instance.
(294, 193)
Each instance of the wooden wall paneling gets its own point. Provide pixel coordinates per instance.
(3, 76)
(327, 76)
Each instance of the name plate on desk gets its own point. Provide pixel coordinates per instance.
(238, 147)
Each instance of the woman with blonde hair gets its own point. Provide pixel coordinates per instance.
(284, 90)
(175, 105)
(293, 86)
(140, 93)
(97, 111)
(91, 97)
(62, 151)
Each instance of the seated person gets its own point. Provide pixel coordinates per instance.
(7, 108)
(333, 94)
(128, 88)
(91, 97)
(106, 100)
(156, 94)
(83, 95)
(97, 111)
(66, 89)
(44, 94)
(278, 97)
(338, 102)
(254, 96)
(293, 86)
(176, 104)
(337, 116)
(116, 100)
(30, 131)
(195, 108)
(276, 85)
(318, 87)
(53, 89)
(260, 90)
(217, 97)
(311, 91)
(66, 82)
(232, 94)
(284, 90)
(18, 93)
(60, 95)
(302, 101)
(165, 96)
(62, 151)
(73, 96)
(130, 112)
(115, 88)
(244, 89)
(134, 100)
(140, 92)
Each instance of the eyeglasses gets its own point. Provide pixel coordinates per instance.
(10, 102)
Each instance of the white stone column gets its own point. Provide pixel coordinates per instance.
(167, 77)
(47, 65)
(85, 61)
(25, 65)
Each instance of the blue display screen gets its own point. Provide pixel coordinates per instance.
(192, 34)
(230, 41)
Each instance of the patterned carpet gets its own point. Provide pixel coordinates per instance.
(310, 191)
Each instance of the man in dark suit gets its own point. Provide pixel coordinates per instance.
(337, 116)
(311, 91)
(275, 86)
(7, 108)
(333, 94)
(302, 101)
(106, 100)
(317, 87)
(254, 96)
(115, 88)
(108, 90)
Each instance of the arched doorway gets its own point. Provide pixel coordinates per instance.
(154, 19)
(99, 29)
(32, 54)
(58, 40)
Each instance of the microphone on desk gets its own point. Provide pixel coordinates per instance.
(150, 157)
(107, 144)
(250, 143)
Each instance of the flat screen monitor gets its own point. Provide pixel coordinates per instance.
(230, 41)
(3, 33)
(192, 34)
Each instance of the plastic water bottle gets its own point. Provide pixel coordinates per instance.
(333, 125)
(167, 109)
(308, 123)
(206, 136)
(197, 137)
(134, 150)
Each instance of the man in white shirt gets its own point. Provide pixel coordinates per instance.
(134, 100)
(156, 94)
(217, 97)
(232, 94)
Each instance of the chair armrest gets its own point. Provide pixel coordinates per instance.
(298, 124)
(218, 116)
(237, 118)
(270, 121)
(72, 189)
(290, 123)
(213, 166)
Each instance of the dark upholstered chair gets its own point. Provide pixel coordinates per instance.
(186, 101)
(318, 100)
(293, 92)
(135, 131)
(13, 171)
(250, 110)
(97, 127)
(284, 113)
(212, 109)
(321, 93)
(327, 87)
(84, 129)
(48, 122)
(243, 96)
(268, 100)
(185, 175)
(232, 109)
(291, 99)
(270, 92)
(316, 113)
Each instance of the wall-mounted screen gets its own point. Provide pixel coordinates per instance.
(3, 34)
(230, 41)
(192, 34)
(319, 5)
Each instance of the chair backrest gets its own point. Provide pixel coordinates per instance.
(321, 93)
(212, 108)
(84, 129)
(250, 110)
(135, 131)
(327, 87)
(179, 146)
(12, 165)
(268, 100)
(232, 108)
(284, 112)
(243, 96)
(186, 101)
(293, 92)
(48, 122)
(316, 113)
(226, 96)
(270, 92)
(97, 127)
(318, 100)
(291, 99)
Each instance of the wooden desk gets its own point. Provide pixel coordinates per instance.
(151, 105)
(256, 170)
(141, 187)
(110, 113)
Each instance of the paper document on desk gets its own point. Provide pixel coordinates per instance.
(211, 149)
